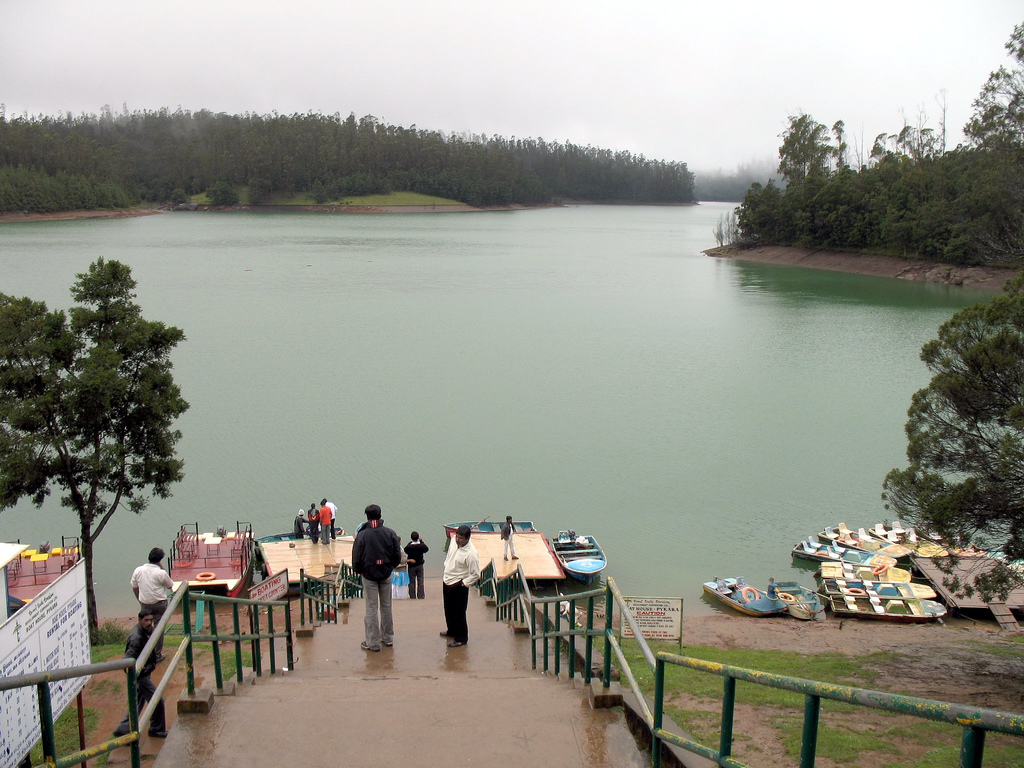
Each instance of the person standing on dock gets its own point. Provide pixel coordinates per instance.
(299, 526)
(375, 554)
(313, 515)
(151, 582)
(325, 524)
(461, 571)
(414, 552)
(508, 534)
(334, 516)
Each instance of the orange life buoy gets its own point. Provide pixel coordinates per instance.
(747, 591)
(855, 591)
(786, 597)
(206, 576)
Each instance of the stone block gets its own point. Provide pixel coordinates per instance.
(198, 704)
(604, 698)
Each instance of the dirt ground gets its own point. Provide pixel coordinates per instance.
(127, 213)
(961, 661)
(988, 278)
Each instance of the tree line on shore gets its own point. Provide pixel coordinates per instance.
(909, 196)
(52, 163)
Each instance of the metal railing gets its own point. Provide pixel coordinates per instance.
(321, 595)
(132, 667)
(514, 602)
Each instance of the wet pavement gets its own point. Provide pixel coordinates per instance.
(418, 702)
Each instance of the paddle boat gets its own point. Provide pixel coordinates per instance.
(740, 596)
(861, 588)
(801, 603)
(833, 570)
(35, 568)
(862, 540)
(810, 549)
(219, 563)
(906, 610)
(580, 556)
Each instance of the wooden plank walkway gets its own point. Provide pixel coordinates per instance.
(967, 570)
(303, 553)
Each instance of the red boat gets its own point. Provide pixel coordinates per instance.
(36, 568)
(220, 562)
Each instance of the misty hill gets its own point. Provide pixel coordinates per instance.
(67, 162)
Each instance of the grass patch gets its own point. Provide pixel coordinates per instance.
(399, 198)
(111, 633)
(838, 743)
(66, 732)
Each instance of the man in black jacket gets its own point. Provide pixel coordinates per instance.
(137, 640)
(375, 554)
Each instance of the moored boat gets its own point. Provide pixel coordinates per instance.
(809, 549)
(834, 570)
(862, 540)
(220, 563)
(740, 596)
(488, 526)
(801, 603)
(35, 568)
(861, 588)
(898, 610)
(580, 556)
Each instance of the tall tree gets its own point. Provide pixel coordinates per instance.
(965, 437)
(805, 150)
(87, 404)
(998, 120)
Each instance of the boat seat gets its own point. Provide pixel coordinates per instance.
(844, 530)
(897, 527)
(851, 602)
(879, 530)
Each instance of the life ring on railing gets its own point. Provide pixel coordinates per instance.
(786, 597)
(206, 576)
(747, 591)
(856, 591)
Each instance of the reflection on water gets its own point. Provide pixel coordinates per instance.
(585, 368)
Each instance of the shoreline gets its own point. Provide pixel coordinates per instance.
(985, 278)
(88, 213)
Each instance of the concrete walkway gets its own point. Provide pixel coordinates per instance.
(419, 702)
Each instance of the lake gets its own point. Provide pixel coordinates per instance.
(584, 367)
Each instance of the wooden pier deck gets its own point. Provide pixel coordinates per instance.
(967, 570)
(304, 554)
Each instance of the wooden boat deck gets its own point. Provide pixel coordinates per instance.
(967, 570)
(31, 571)
(304, 554)
(532, 548)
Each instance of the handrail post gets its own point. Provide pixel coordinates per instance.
(238, 643)
(288, 640)
(590, 640)
(608, 610)
(302, 597)
(728, 706)
(544, 632)
(972, 747)
(46, 721)
(215, 646)
(133, 717)
(659, 711)
(533, 634)
(572, 639)
(270, 631)
(257, 657)
(186, 618)
(809, 742)
(558, 641)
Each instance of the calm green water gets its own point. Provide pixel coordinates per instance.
(583, 367)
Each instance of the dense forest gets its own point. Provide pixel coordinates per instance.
(112, 160)
(910, 196)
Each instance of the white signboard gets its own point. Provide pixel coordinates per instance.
(50, 633)
(271, 588)
(659, 618)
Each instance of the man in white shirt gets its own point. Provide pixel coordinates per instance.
(461, 571)
(150, 582)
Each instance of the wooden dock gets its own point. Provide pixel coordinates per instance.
(967, 570)
(303, 554)
(532, 548)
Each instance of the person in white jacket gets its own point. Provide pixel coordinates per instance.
(461, 571)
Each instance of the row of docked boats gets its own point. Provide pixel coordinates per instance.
(858, 577)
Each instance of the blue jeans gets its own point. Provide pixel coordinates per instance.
(325, 534)
(377, 595)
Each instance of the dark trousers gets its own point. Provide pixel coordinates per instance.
(314, 530)
(456, 601)
(416, 581)
(334, 530)
(145, 689)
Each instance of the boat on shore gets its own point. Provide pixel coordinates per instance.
(861, 588)
(834, 570)
(897, 610)
(740, 596)
(219, 563)
(580, 556)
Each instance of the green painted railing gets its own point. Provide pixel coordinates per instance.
(319, 596)
(514, 602)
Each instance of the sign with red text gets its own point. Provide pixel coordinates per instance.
(270, 588)
(658, 618)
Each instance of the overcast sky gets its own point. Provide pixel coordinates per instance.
(710, 84)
